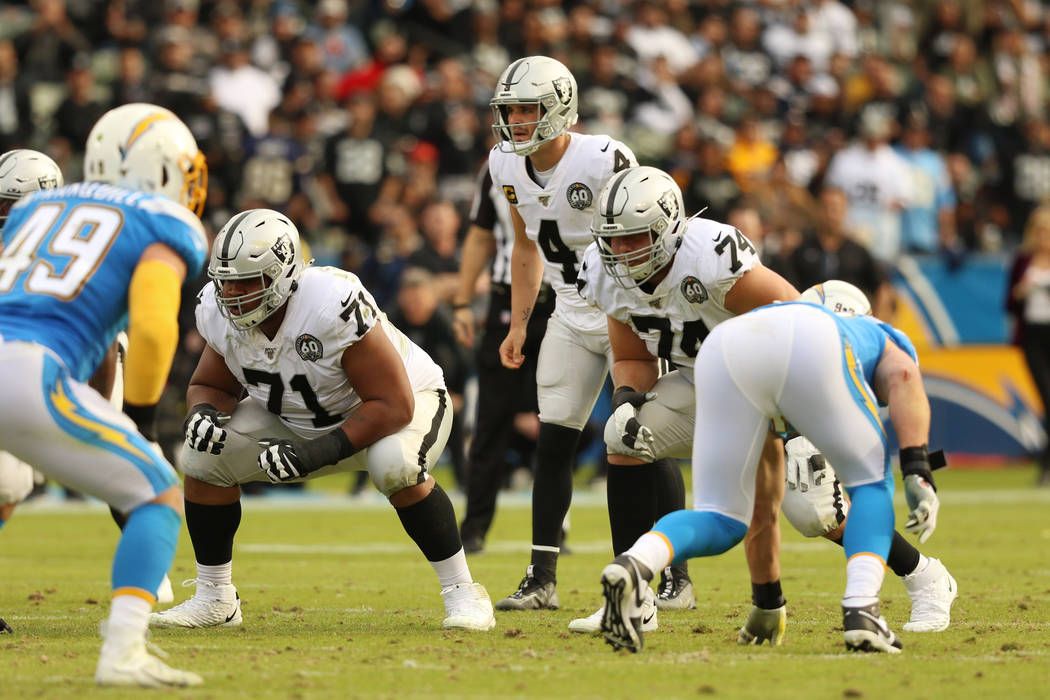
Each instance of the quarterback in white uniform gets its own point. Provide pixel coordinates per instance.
(550, 177)
(665, 282)
(332, 387)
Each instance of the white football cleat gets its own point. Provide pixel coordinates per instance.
(164, 592)
(124, 661)
(932, 592)
(467, 607)
(593, 623)
(622, 584)
(210, 606)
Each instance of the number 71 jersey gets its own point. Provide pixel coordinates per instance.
(687, 303)
(558, 215)
(299, 374)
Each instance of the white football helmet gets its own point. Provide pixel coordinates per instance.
(257, 244)
(638, 200)
(840, 297)
(535, 80)
(147, 148)
(23, 171)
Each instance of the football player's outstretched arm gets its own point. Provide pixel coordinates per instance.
(378, 375)
(757, 287)
(899, 384)
(479, 246)
(526, 275)
(153, 331)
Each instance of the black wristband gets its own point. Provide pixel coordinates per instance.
(327, 449)
(916, 460)
(767, 596)
(204, 407)
(457, 307)
(621, 395)
(145, 418)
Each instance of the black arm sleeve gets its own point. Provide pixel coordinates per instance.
(483, 211)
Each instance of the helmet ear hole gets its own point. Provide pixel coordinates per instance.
(163, 176)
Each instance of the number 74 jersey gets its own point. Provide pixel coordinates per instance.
(690, 301)
(558, 215)
(299, 374)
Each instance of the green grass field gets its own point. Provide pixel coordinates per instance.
(338, 603)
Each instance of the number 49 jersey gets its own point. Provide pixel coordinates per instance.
(687, 303)
(558, 216)
(67, 261)
(299, 374)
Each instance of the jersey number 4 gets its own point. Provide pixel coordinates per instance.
(693, 333)
(322, 418)
(59, 263)
(555, 250)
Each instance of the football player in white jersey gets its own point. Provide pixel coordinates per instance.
(550, 177)
(332, 387)
(665, 282)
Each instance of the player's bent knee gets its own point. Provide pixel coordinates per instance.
(172, 498)
(410, 495)
(389, 468)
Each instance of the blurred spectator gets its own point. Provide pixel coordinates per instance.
(274, 170)
(928, 222)
(833, 19)
(131, 85)
(1027, 168)
(391, 49)
(81, 108)
(650, 36)
(752, 155)
(46, 51)
(242, 88)
(797, 36)
(1028, 303)
(200, 41)
(342, 44)
(711, 186)
(381, 271)
(747, 64)
(15, 118)
(360, 171)
(877, 182)
(830, 251)
(272, 50)
(173, 82)
(440, 224)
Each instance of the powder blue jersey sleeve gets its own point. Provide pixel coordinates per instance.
(67, 263)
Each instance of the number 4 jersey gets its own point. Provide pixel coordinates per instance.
(687, 303)
(67, 262)
(299, 374)
(557, 216)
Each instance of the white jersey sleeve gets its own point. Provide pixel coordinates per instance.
(298, 375)
(675, 317)
(557, 215)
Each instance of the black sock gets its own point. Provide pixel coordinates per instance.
(431, 523)
(551, 494)
(767, 596)
(121, 519)
(211, 530)
(903, 556)
(670, 496)
(631, 496)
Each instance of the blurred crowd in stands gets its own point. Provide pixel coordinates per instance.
(838, 135)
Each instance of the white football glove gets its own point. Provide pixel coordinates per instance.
(635, 436)
(203, 428)
(805, 465)
(279, 461)
(764, 626)
(924, 504)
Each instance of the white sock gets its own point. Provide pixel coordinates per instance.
(128, 618)
(653, 551)
(453, 570)
(220, 575)
(921, 566)
(864, 574)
